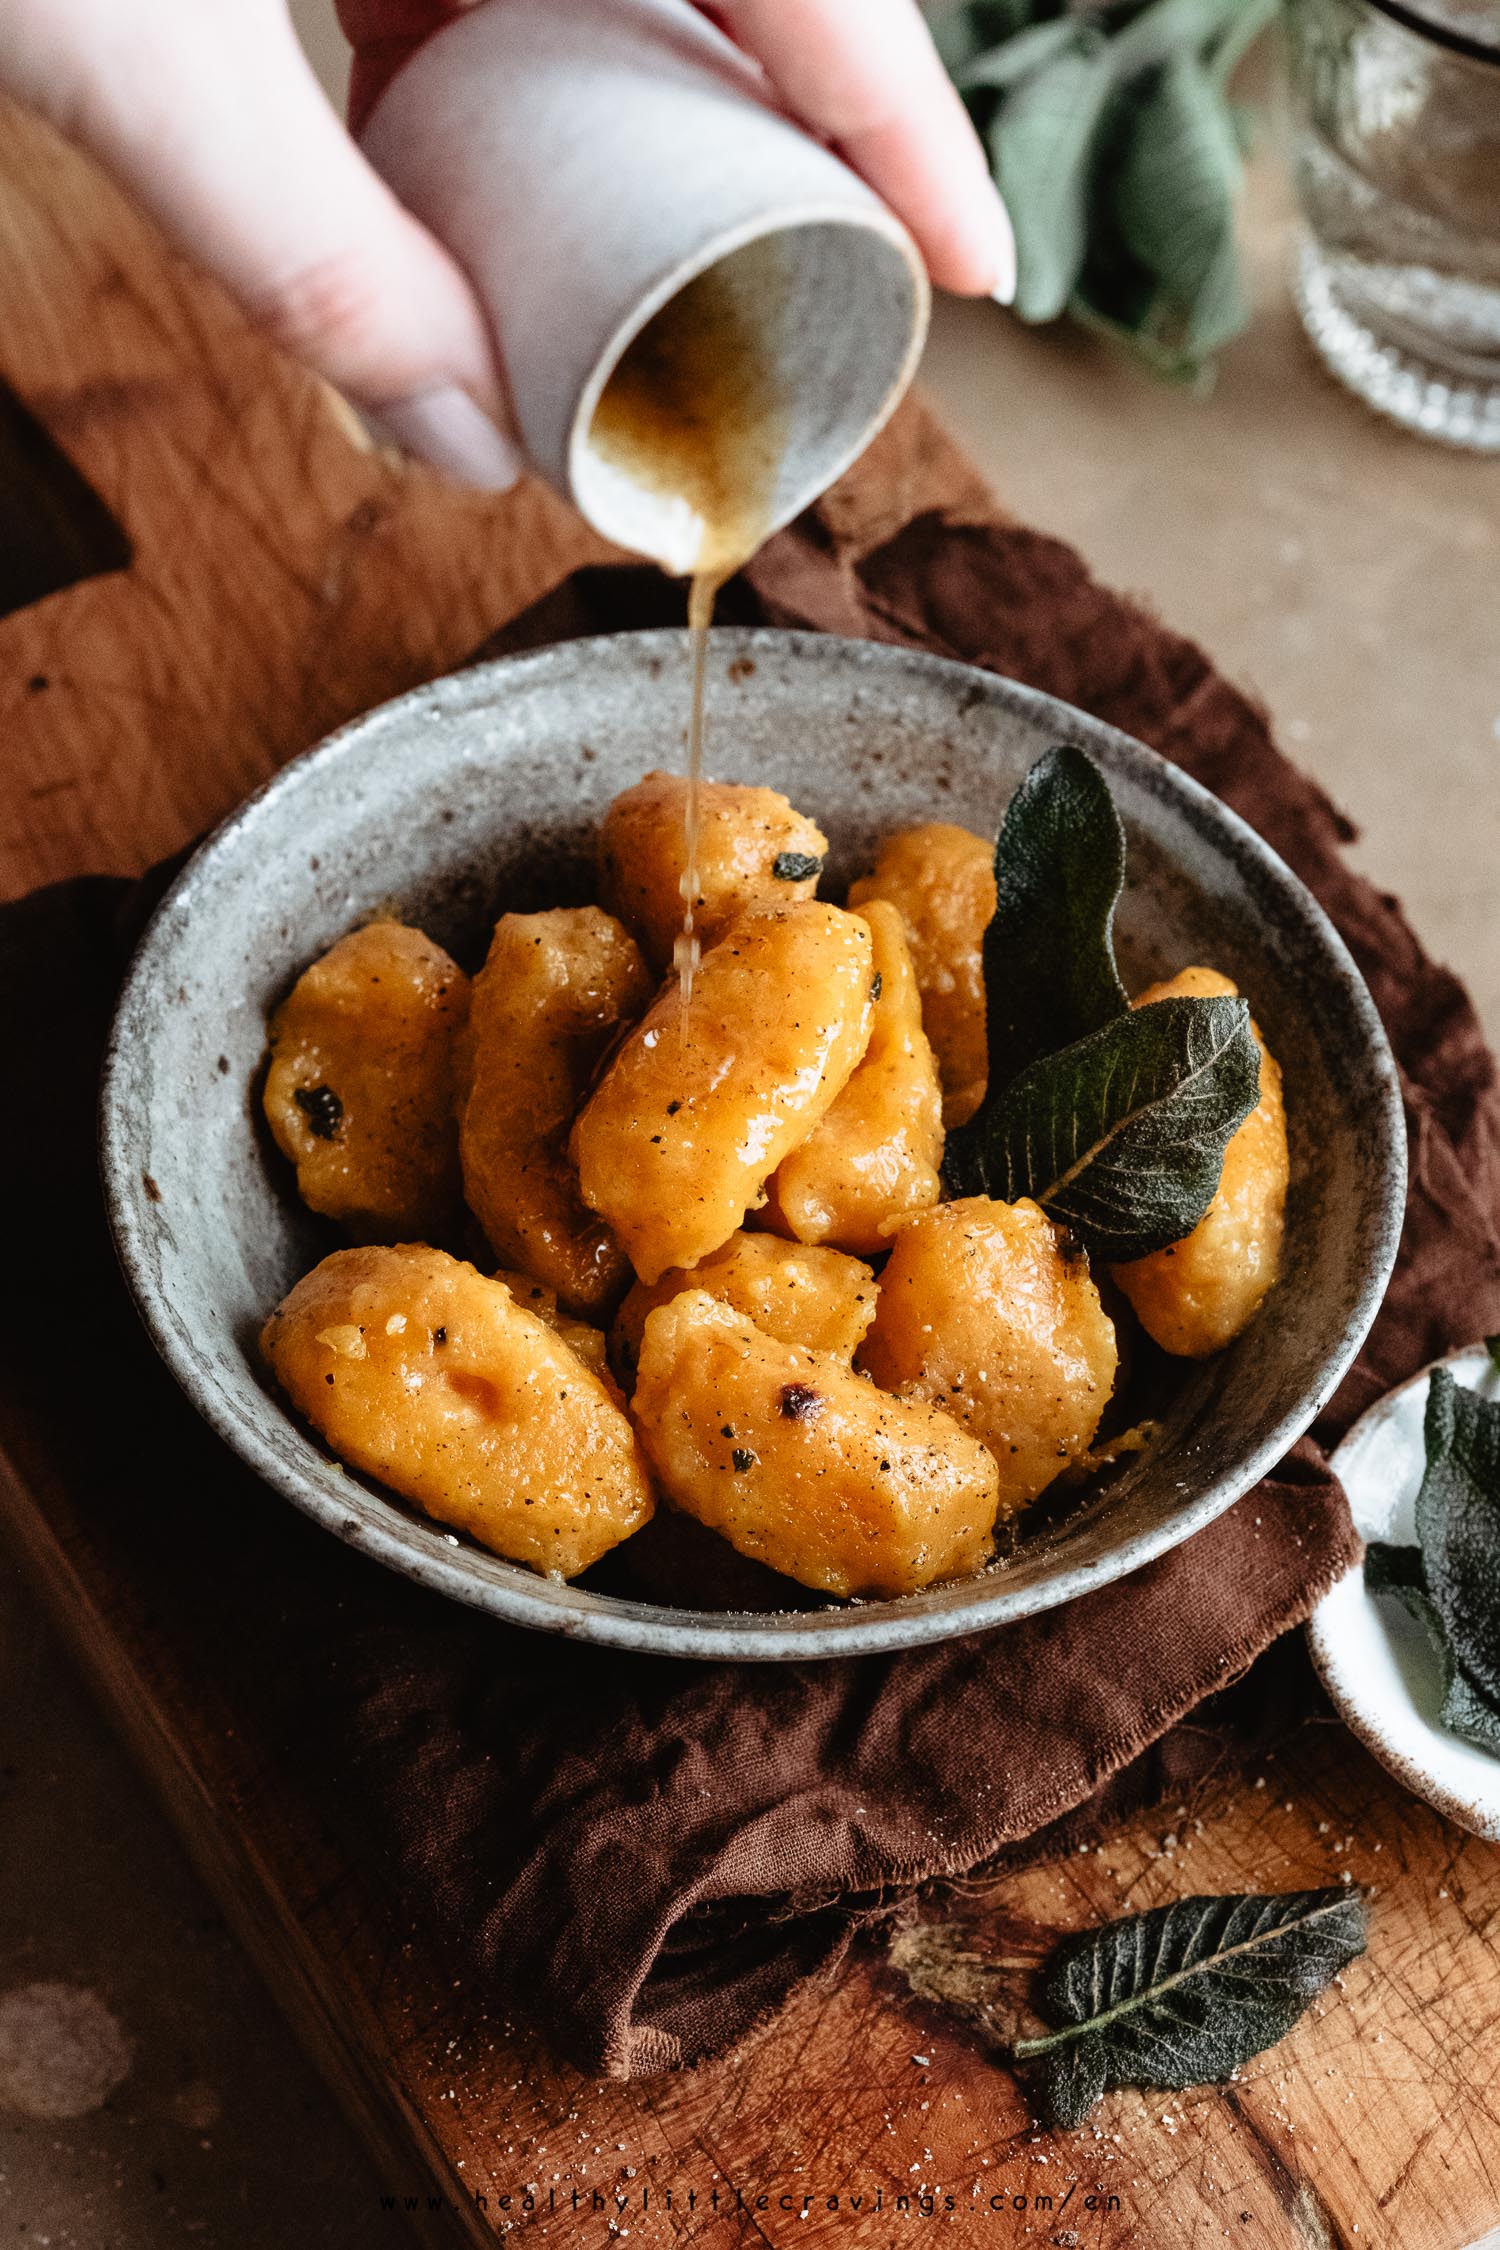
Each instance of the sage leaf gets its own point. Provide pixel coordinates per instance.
(1467, 1713)
(1041, 145)
(1120, 1136)
(1244, 22)
(976, 27)
(1397, 1571)
(1021, 54)
(1111, 132)
(1450, 1581)
(1184, 1995)
(1150, 36)
(1049, 956)
(1175, 184)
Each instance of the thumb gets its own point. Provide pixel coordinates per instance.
(212, 117)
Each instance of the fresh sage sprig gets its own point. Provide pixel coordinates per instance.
(1112, 137)
(1119, 1131)
(1121, 1136)
(1450, 1581)
(1185, 1995)
(1049, 955)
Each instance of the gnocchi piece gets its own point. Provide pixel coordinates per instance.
(874, 1159)
(803, 1465)
(590, 1343)
(796, 1294)
(704, 1100)
(423, 1373)
(553, 994)
(942, 879)
(359, 1093)
(1197, 1295)
(987, 1311)
(754, 851)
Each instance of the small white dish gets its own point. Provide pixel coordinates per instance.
(482, 792)
(1378, 1665)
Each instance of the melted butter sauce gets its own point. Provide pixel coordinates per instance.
(693, 413)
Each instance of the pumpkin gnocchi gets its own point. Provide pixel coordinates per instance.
(1197, 1295)
(552, 995)
(988, 1311)
(797, 1293)
(874, 1159)
(941, 880)
(803, 1465)
(590, 1343)
(753, 851)
(359, 1092)
(704, 1099)
(726, 1196)
(420, 1371)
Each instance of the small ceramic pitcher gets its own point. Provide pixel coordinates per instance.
(634, 149)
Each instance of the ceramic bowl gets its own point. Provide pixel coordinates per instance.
(1380, 1668)
(481, 793)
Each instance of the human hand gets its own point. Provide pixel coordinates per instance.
(209, 113)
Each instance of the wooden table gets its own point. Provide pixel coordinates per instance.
(282, 580)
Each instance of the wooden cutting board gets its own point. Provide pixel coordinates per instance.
(283, 579)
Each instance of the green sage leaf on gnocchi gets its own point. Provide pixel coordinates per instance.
(796, 867)
(1049, 956)
(1186, 1994)
(1450, 1581)
(1120, 1136)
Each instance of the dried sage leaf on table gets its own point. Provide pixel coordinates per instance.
(1184, 1995)
(1120, 1136)
(1049, 956)
(1450, 1581)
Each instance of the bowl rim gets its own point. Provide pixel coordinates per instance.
(614, 1621)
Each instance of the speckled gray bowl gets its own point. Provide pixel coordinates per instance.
(481, 793)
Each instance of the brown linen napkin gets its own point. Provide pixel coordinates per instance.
(649, 1857)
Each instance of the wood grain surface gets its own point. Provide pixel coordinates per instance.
(282, 580)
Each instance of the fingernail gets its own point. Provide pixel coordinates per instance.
(1005, 255)
(347, 417)
(445, 427)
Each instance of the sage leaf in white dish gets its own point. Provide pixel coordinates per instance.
(1184, 1995)
(1381, 1667)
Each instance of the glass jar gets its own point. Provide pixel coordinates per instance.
(1396, 121)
